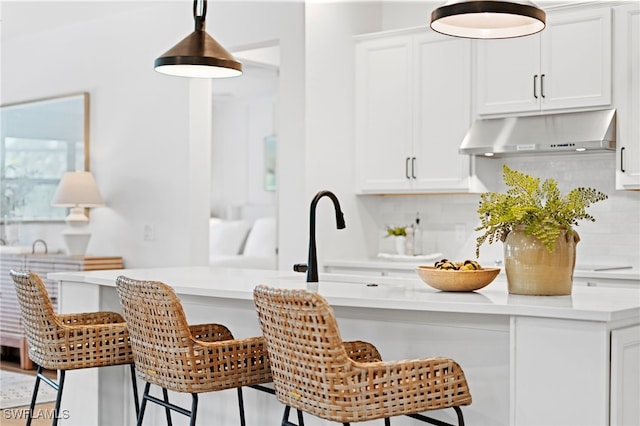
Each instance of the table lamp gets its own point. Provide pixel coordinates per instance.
(77, 190)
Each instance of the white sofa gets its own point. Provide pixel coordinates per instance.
(242, 243)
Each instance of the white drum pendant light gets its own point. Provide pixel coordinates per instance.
(488, 19)
(198, 55)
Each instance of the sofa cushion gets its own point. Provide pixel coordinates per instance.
(227, 237)
(261, 241)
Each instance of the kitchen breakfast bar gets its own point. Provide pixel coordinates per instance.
(529, 360)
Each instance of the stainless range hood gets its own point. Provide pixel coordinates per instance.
(551, 133)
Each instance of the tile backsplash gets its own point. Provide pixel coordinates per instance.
(448, 222)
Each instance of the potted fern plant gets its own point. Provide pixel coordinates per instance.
(399, 234)
(536, 224)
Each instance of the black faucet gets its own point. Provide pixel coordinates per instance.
(312, 263)
(44, 243)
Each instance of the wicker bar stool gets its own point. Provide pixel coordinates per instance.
(180, 357)
(68, 341)
(316, 372)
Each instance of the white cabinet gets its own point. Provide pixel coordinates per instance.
(384, 145)
(442, 112)
(625, 376)
(627, 95)
(412, 111)
(566, 66)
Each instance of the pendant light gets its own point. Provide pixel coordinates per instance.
(488, 19)
(198, 55)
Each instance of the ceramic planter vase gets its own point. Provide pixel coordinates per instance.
(401, 244)
(532, 270)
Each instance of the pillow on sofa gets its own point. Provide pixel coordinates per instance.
(227, 237)
(261, 241)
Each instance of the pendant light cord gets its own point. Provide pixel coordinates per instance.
(200, 19)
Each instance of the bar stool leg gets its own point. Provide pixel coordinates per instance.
(56, 410)
(167, 410)
(241, 407)
(285, 417)
(194, 409)
(34, 396)
(459, 414)
(136, 401)
(145, 394)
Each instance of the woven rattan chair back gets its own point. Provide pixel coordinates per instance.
(169, 352)
(176, 356)
(309, 365)
(68, 341)
(313, 372)
(38, 320)
(160, 334)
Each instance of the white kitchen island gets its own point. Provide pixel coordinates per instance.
(529, 360)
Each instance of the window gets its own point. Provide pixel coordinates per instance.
(39, 142)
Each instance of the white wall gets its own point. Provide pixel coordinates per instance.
(330, 116)
(243, 115)
(146, 152)
(139, 121)
(143, 157)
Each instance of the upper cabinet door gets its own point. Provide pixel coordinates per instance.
(566, 66)
(383, 114)
(413, 108)
(442, 113)
(507, 74)
(627, 95)
(576, 60)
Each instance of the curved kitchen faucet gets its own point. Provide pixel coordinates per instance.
(44, 243)
(312, 263)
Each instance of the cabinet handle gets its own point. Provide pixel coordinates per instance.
(413, 167)
(622, 160)
(535, 86)
(542, 85)
(406, 167)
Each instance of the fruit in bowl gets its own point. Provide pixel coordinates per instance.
(467, 265)
(446, 275)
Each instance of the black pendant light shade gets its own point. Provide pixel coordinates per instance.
(488, 19)
(198, 55)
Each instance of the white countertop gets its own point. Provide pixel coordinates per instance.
(586, 303)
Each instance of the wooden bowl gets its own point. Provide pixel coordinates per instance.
(447, 280)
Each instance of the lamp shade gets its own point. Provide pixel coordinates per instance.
(77, 189)
(198, 55)
(488, 19)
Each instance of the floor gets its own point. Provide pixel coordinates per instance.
(10, 362)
